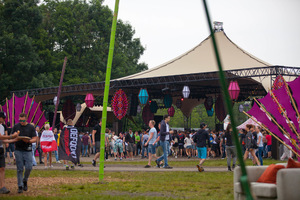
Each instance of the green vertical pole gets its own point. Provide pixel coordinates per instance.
(224, 86)
(106, 90)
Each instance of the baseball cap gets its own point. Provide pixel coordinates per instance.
(202, 125)
(2, 114)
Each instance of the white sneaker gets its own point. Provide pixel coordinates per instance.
(46, 167)
(58, 162)
(175, 156)
(51, 166)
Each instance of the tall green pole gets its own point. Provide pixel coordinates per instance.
(106, 90)
(224, 86)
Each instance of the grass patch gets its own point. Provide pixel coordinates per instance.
(133, 185)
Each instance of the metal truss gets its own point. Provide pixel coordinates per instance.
(165, 80)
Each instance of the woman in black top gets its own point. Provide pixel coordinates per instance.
(249, 144)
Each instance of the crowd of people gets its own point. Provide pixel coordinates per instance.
(24, 141)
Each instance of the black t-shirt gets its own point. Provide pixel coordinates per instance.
(181, 139)
(28, 131)
(8, 131)
(97, 128)
(176, 140)
(228, 136)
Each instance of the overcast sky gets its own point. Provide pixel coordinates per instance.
(268, 29)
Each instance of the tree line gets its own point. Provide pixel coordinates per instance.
(35, 37)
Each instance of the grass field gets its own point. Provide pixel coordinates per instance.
(62, 184)
(123, 185)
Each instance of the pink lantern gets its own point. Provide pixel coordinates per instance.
(234, 90)
(89, 100)
(171, 111)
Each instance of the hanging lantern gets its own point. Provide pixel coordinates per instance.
(143, 96)
(168, 101)
(234, 90)
(178, 103)
(147, 115)
(210, 113)
(89, 100)
(186, 92)
(139, 109)
(171, 111)
(241, 108)
(153, 106)
(55, 100)
(119, 104)
(78, 107)
(208, 103)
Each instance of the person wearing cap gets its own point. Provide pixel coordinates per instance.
(200, 139)
(3, 137)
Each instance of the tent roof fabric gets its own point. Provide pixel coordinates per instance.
(201, 59)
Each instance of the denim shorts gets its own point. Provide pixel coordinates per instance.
(151, 149)
(189, 147)
(202, 152)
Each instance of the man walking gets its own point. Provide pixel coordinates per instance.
(150, 142)
(3, 189)
(23, 151)
(200, 139)
(96, 136)
(230, 148)
(165, 141)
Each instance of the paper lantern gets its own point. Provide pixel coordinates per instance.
(147, 114)
(171, 111)
(209, 102)
(89, 100)
(143, 96)
(210, 113)
(68, 110)
(153, 106)
(178, 103)
(186, 92)
(241, 108)
(78, 107)
(139, 109)
(55, 100)
(168, 101)
(119, 104)
(234, 90)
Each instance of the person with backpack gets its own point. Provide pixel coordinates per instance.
(250, 143)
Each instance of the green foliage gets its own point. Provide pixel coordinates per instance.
(35, 39)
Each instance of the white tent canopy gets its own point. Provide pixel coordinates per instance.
(201, 59)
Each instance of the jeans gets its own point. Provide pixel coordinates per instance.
(143, 151)
(33, 154)
(56, 155)
(231, 152)
(40, 153)
(265, 151)
(260, 152)
(23, 158)
(84, 150)
(166, 146)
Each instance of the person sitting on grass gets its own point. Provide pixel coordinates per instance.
(200, 139)
(150, 142)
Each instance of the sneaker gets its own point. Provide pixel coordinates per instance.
(80, 165)
(94, 163)
(4, 190)
(200, 169)
(121, 158)
(46, 167)
(58, 162)
(42, 163)
(51, 166)
(167, 167)
(157, 163)
(115, 158)
(72, 167)
(20, 190)
(229, 169)
(25, 188)
(67, 167)
(147, 166)
(175, 156)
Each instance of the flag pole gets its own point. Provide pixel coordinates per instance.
(106, 89)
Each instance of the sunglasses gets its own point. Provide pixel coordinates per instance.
(22, 120)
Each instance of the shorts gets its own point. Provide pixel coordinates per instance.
(2, 158)
(181, 146)
(214, 147)
(269, 147)
(11, 147)
(202, 152)
(151, 149)
(176, 149)
(97, 146)
(130, 147)
(189, 147)
(118, 146)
